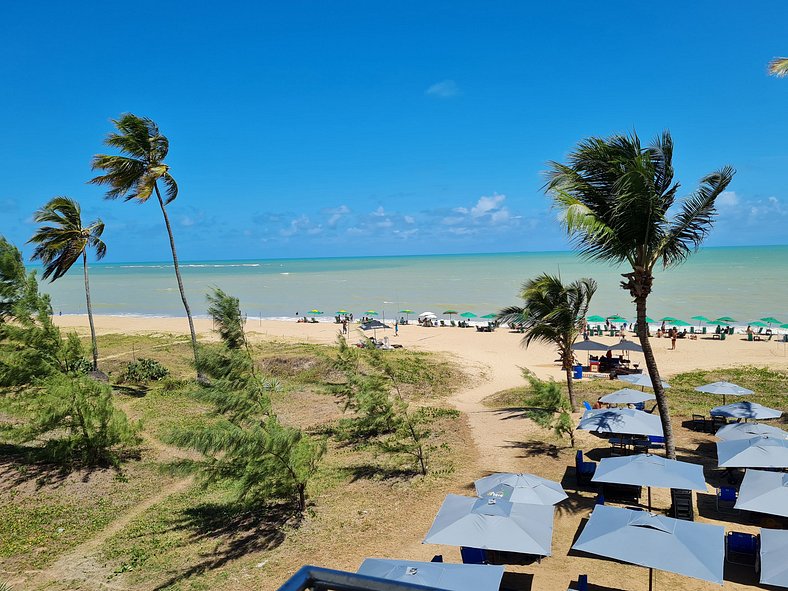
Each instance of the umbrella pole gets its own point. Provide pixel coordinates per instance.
(649, 498)
(651, 579)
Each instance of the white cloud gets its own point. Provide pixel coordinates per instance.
(409, 219)
(727, 199)
(336, 214)
(487, 205)
(443, 89)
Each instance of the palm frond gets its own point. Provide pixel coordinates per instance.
(779, 67)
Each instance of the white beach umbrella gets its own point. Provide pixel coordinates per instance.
(641, 379)
(724, 389)
(626, 396)
(748, 431)
(520, 488)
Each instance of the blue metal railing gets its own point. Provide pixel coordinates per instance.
(316, 578)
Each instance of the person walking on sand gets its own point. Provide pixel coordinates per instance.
(396, 328)
(673, 334)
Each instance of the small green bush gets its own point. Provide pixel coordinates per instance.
(144, 370)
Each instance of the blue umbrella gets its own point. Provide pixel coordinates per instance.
(648, 470)
(764, 492)
(493, 524)
(725, 389)
(685, 547)
(748, 431)
(758, 452)
(774, 549)
(520, 488)
(745, 410)
(626, 396)
(621, 421)
(624, 345)
(589, 346)
(438, 575)
(641, 379)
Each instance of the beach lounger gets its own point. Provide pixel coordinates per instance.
(741, 548)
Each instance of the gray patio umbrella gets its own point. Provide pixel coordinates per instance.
(627, 346)
(725, 389)
(764, 492)
(685, 547)
(641, 379)
(589, 346)
(438, 575)
(626, 396)
(745, 410)
(374, 325)
(520, 488)
(774, 549)
(758, 452)
(748, 431)
(649, 470)
(493, 524)
(622, 421)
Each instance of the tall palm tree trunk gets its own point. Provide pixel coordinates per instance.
(178, 273)
(570, 385)
(90, 310)
(653, 372)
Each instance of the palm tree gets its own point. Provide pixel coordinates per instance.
(60, 244)
(615, 197)
(134, 175)
(553, 313)
(779, 67)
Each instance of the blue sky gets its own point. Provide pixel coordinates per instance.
(302, 129)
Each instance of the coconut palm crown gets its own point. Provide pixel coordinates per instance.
(553, 313)
(618, 204)
(62, 241)
(779, 67)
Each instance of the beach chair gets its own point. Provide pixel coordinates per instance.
(681, 504)
(473, 555)
(584, 471)
(741, 548)
(726, 499)
(437, 558)
(587, 405)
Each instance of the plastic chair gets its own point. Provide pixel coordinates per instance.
(473, 555)
(437, 558)
(741, 548)
(587, 405)
(584, 471)
(727, 495)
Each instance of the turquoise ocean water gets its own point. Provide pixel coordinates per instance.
(746, 283)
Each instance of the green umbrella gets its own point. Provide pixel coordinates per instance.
(468, 315)
(490, 316)
(771, 320)
(649, 320)
(668, 319)
(406, 311)
(759, 324)
(723, 320)
(342, 312)
(315, 312)
(784, 326)
(595, 319)
(616, 318)
(680, 323)
(701, 319)
(371, 313)
(450, 312)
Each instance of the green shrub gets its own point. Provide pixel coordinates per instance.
(144, 370)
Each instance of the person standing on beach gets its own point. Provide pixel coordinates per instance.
(396, 328)
(673, 334)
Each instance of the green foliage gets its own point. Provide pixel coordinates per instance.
(549, 407)
(12, 277)
(77, 421)
(245, 444)
(225, 311)
(381, 415)
(144, 370)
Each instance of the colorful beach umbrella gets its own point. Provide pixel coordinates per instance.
(771, 320)
(406, 311)
(723, 320)
(342, 312)
(468, 315)
(315, 312)
(371, 313)
(595, 319)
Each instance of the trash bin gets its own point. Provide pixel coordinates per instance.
(578, 375)
(722, 336)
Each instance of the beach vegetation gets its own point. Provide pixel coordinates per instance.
(382, 417)
(135, 174)
(12, 277)
(225, 311)
(548, 406)
(553, 313)
(75, 421)
(618, 203)
(143, 370)
(62, 241)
